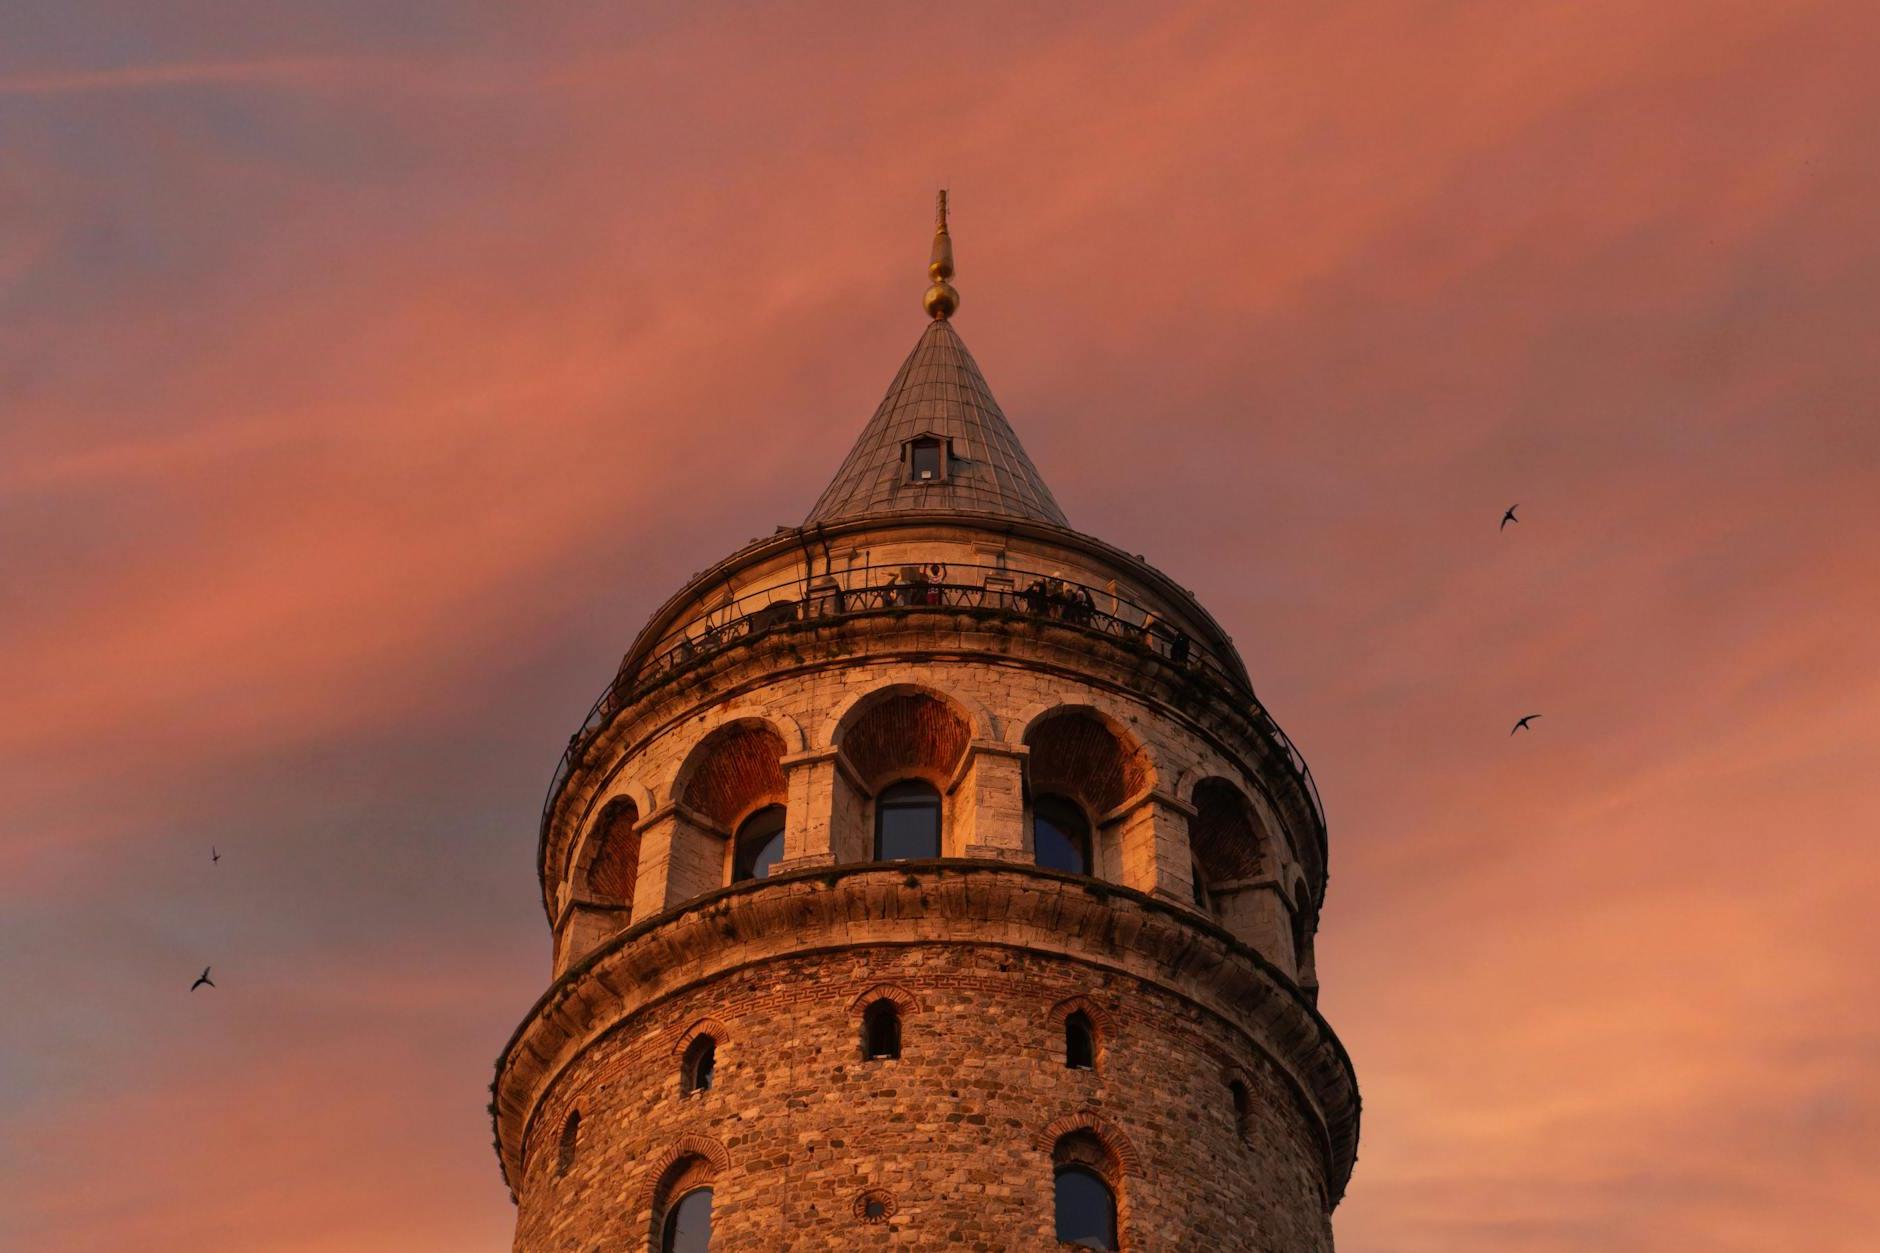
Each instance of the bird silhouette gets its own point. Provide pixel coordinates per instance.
(1523, 724)
(202, 979)
(213, 855)
(1508, 517)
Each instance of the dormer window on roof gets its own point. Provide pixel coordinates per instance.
(926, 459)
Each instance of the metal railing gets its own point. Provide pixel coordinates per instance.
(903, 589)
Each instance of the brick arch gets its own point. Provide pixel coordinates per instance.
(1230, 1076)
(1118, 1145)
(1099, 1017)
(704, 1026)
(675, 1163)
(1081, 752)
(906, 1001)
(1225, 834)
(735, 769)
(978, 718)
(904, 730)
(607, 863)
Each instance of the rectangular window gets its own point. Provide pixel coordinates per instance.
(925, 457)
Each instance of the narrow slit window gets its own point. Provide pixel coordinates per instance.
(1243, 1105)
(1080, 1042)
(701, 1063)
(881, 1031)
(570, 1143)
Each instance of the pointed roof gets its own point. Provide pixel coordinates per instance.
(939, 391)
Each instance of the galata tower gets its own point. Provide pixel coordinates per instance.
(929, 876)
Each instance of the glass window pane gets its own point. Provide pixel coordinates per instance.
(689, 1224)
(1060, 837)
(907, 822)
(1086, 1213)
(759, 844)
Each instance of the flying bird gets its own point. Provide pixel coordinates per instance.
(202, 979)
(213, 855)
(1523, 724)
(1508, 517)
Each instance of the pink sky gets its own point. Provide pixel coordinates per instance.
(368, 373)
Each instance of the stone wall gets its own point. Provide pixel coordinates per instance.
(957, 1133)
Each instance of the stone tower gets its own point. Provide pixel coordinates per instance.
(929, 876)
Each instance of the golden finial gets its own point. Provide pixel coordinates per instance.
(941, 300)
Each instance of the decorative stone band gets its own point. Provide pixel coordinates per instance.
(945, 902)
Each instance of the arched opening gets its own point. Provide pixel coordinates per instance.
(1060, 835)
(901, 732)
(570, 1143)
(1084, 755)
(759, 844)
(1080, 1041)
(616, 860)
(881, 1031)
(733, 770)
(699, 1065)
(688, 1225)
(907, 821)
(1224, 835)
(1085, 1194)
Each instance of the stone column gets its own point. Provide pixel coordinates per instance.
(1256, 913)
(826, 818)
(1149, 836)
(986, 804)
(682, 855)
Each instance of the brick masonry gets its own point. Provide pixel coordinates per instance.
(954, 1131)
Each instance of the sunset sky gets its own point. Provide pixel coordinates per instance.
(369, 372)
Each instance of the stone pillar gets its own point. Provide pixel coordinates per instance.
(986, 804)
(1256, 913)
(826, 819)
(1147, 842)
(682, 855)
(583, 927)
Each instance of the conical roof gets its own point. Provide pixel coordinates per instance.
(938, 392)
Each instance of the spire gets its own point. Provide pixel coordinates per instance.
(938, 440)
(941, 300)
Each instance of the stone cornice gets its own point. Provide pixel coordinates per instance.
(956, 901)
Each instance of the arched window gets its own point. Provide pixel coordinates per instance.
(1060, 835)
(759, 844)
(907, 821)
(688, 1226)
(570, 1141)
(1086, 1209)
(1080, 1041)
(698, 1066)
(881, 1031)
